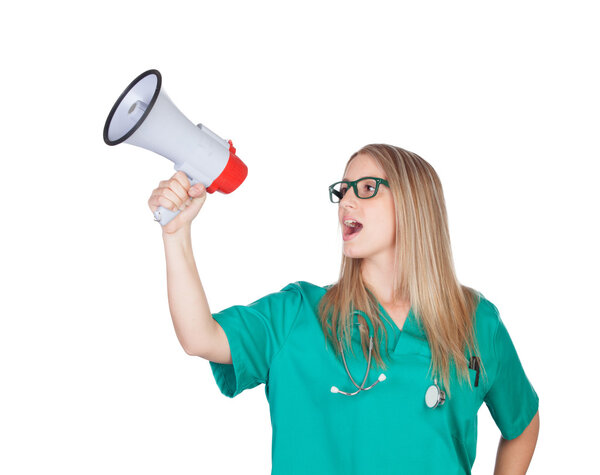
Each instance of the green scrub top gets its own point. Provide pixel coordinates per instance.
(277, 340)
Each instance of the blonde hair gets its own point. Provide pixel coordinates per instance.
(423, 272)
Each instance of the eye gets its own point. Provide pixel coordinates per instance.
(367, 187)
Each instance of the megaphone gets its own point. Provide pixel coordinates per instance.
(145, 116)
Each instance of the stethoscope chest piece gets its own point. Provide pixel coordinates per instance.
(434, 396)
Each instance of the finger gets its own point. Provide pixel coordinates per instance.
(169, 193)
(155, 201)
(167, 196)
(152, 199)
(158, 200)
(166, 203)
(177, 188)
(182, 179)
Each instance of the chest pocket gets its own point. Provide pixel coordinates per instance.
(467, 398)
(456, 419)
(477, 381)
(474, 371)
(416, 348)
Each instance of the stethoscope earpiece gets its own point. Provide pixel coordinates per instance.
(434, 396)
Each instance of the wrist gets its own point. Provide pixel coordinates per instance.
(182, 234)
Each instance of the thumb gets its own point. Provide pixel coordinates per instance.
(197, 194)
(197, 190)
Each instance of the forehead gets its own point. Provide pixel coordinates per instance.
(363, 165)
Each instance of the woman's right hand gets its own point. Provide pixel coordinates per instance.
(175, 194)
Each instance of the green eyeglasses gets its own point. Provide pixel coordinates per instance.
(364, 188)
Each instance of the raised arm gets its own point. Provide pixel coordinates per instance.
(198, 333)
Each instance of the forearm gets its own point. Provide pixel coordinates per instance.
(514, 456)
(189, 308)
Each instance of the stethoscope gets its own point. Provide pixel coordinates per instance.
(434, 396)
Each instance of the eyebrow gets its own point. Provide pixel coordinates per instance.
(348, 179)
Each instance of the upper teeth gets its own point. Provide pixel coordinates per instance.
(351, 222)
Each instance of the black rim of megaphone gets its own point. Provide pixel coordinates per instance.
(146, 112)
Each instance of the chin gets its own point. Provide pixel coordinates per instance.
(349, 252)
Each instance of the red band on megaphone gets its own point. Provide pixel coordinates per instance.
(232, 176)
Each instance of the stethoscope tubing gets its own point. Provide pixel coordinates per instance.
(362, 386)
(434, 397)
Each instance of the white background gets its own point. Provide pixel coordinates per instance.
(501, 98)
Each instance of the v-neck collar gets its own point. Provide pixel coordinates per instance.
(411, 339)
(408, 339)
(410, 324)
(407, 323)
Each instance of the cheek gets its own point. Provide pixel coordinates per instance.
(384, 229)
(387, 215)
(389, 225)
(390, 231)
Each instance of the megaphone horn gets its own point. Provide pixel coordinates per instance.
(146, 117)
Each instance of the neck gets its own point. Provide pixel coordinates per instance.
(378, 275)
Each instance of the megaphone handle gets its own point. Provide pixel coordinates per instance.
(164, 215)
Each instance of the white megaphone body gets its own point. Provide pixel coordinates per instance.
(145, 116)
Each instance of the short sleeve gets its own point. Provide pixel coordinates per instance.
(256, 333)
(511, 399)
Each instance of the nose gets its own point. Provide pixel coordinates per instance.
(346, 198)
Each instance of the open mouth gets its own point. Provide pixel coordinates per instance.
(351, 228)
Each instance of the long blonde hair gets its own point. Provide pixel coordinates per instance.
(423, 271)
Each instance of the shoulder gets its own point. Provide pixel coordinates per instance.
(486, 325)
(303, 284)
(306, 288)
(293, 297)
(487, 316)
(309, 293)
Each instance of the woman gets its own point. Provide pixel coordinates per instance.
(439, 349)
